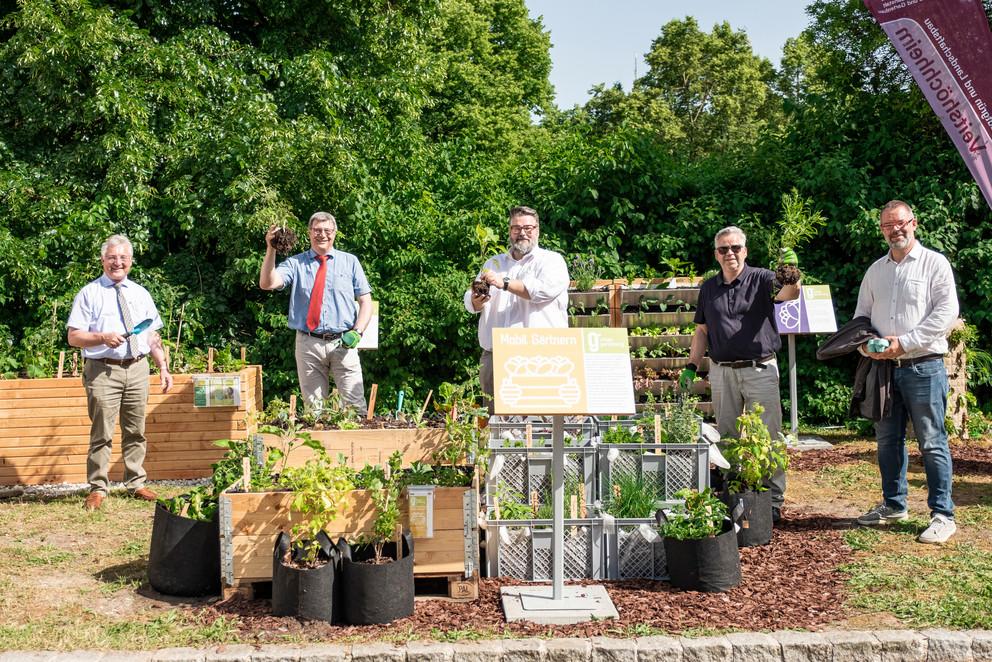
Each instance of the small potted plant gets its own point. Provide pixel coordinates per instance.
(305, 563)
(700, 545)
(377, 571)
(754, 457)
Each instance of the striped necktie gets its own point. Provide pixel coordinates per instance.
(132, 340)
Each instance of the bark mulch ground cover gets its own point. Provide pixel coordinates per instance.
(794, 582)
(974, 457)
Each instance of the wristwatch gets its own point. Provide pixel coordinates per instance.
(506, 283)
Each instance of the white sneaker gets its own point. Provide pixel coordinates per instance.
(941, 528)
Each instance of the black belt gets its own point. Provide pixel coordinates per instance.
(324, 336)
(121, 362)
(750, 363)
(902, 363)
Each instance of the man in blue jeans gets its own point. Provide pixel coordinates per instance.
(910, 297)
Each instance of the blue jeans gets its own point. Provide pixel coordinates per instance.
(919, 394)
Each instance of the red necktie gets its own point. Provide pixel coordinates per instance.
(317, 294)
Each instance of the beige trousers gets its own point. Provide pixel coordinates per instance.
(113, 390)
(317, 359)
(735, 389)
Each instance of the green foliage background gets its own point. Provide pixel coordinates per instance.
(192, 126)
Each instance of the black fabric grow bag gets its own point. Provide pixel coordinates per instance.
(311, 593)
(708, 564)
(376, 594)
(184, 555)
(754, 509)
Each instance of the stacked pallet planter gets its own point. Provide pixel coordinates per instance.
(597, 307)
(681, 293)
(250, 522)
(45, 428)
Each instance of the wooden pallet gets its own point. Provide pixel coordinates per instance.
(455, 587)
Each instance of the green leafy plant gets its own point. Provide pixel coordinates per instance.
(457, 404)
(512, 504)
(585, 270)
(198, 504)
(623, 434)
(632, 497)
(320, 490)
(699, 515)
(680, 422)
(229, 469)
(753, 456)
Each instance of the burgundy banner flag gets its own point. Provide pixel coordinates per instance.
(947, 46)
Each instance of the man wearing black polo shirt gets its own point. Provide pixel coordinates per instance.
(735, 319)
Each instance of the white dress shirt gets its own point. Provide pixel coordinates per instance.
(914, 300)
(545, 276)
(95, 309)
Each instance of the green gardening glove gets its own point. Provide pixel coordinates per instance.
(687, 377)
(788, 256)
(350, 339)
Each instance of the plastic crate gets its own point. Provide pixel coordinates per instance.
(521, 549)
(670, 467)
(631, 551)
(528, 470)
(511, 431)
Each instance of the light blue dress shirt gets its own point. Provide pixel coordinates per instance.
(95, 308)
(345, 281)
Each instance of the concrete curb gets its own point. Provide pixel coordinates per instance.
(785, 646)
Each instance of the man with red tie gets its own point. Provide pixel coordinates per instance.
(324, 285)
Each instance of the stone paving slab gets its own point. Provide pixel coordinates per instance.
(930, 645)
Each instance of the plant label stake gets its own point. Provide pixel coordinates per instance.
(244, 353)
(530, 435)
(185, 509)
(534, 503)
(573, 506)
(210, 359)
(657, 431)
(292, 408)
(246, 473)
(423, 409)
(74, 362)
(582, 503)
(496, 508)
(398, 537)
(372, 394)
(61, 362)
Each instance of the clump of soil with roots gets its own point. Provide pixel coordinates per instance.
(284, 241)
(788, 274)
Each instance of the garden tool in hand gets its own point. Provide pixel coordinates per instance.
(138, 328)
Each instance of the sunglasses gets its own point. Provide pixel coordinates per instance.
(723, 250)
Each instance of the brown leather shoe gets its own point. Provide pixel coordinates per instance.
(94, 501)
(145, 494)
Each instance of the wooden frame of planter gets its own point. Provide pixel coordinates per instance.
(45, 429)
(250, 522)
(370, 446)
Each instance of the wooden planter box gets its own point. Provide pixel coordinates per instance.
(362, 447)
(45, 429)
(250, 522)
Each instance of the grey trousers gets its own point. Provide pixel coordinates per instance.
(736, 389)
(113, 390)
(317, 359)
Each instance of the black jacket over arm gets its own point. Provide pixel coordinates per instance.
(872, 396)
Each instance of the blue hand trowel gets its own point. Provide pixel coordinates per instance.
(139, 327)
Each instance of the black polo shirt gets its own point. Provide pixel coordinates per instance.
(740, 316)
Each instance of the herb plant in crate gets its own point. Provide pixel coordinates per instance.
(700, 545)
(184, 553)
(377, 570)
(305, 563)
(754, 457)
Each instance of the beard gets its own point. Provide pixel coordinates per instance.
(523, 246)
(900, 243)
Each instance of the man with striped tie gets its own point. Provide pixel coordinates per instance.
(102, 323)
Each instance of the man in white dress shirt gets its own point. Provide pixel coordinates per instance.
(528, 287)
(910, 297)
(115, 375)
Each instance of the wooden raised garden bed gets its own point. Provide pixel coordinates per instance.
(45, 429)
(370, 446)
(250, 522)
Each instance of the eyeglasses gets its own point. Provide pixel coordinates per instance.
(723, 250)
(317, 232)
(123, 259)
(898, 225)
(523, 228)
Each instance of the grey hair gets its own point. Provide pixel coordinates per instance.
(322, 217)
(898, 204)
(730, 229)
(520, 210)
(116, 240)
